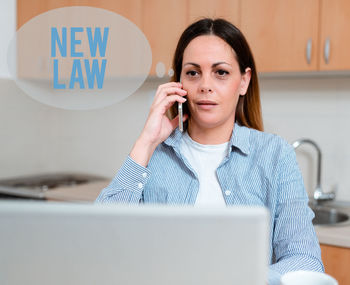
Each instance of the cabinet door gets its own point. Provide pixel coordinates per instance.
(27, 9)
(335, 36)
(336, 261)
(163, 22)
(281, 32)
(227, 9)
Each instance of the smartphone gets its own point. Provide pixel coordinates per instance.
(180, 112)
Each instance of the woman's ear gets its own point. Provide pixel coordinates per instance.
(245, 81)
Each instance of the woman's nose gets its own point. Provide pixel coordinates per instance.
(205, 90)
(205, 86)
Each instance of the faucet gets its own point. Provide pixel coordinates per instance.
(319, 195)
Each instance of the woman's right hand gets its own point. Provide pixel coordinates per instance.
(158, 126)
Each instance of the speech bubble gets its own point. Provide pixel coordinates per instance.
(79, 58)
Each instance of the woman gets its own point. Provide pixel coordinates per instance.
(223, 157)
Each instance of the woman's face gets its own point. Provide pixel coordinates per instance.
(211, 76)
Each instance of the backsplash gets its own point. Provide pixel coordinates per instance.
(35, 138)
(315, 108)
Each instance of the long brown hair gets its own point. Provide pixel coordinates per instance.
(248, 110)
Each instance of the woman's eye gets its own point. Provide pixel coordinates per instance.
(222, 72)
(192, 73)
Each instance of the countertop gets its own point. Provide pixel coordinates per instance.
(80, 193)
(336, 235)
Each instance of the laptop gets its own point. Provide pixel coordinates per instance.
(83, 244)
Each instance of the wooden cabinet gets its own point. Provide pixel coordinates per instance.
(163, 22)
(27, 9)
(298, 35)
(335, 36)
(285, 36)
(227, 9)
(281, 32)
(33, 62)
(336, 261)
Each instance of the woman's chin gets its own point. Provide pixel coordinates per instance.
(208, 123)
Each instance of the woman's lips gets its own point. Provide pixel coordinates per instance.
(206, 104)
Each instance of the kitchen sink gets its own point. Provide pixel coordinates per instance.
(325, 215)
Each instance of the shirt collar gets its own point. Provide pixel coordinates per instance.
(239, 138)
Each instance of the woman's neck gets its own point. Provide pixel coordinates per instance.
(215, 135)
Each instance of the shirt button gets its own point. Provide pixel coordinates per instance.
(144, 175)
(227, 192)
(139, 185)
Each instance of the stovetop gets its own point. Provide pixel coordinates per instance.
(35, 186)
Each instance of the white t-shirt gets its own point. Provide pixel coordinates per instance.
(204, 160)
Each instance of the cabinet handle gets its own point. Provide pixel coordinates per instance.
(308, 51)
(327, 50)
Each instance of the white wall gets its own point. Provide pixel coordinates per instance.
(7, 30)
(37, 138)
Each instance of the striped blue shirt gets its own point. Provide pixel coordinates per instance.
(260, 169)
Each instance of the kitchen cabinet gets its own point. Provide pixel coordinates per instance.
(297, 35)
(335, 36)
(285, 36)
(163, 22)
(336, 261)
(27, 9)
(33, 63)
(281, 32)
(227, 9)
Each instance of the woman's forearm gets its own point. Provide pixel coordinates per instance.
(142, 152)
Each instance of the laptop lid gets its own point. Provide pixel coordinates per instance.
(53, 243)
